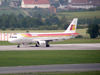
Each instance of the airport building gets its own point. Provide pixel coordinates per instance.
(35, 3)
(83, 4)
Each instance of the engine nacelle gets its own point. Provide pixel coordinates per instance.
(41, 43)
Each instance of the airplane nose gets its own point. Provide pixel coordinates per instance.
(11, 40)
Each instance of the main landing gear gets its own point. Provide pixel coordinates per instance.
(47, 45)
(18, 46)
(38, 44)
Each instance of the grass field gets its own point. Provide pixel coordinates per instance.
(34, 31)
(69, 15)
(70, 41)
(6, 43)
(16, 12)
(26, 58)
(40, 31)
(59, 73)
(80, 15)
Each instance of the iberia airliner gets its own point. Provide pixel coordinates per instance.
(42, 39)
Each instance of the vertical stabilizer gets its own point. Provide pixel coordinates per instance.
(72, 26)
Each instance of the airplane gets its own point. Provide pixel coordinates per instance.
(42, 39)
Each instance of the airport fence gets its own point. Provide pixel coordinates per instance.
(5, 36)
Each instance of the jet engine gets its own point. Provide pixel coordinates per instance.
(40, 43)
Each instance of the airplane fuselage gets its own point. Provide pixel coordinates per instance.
(44, 38)
(34, 37)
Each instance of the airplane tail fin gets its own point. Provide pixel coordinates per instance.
(72, 26)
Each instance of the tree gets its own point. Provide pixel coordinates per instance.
(39, 16)
(53, 27)
(20, 16)
(3, 28)
(55, 5)
(5, 1)
(0, 22)
(61, 1)
(12, 28)
(41, 28)
(12, 22)
(64, 23)
(63, 19)
(52, 19)
(93, 30)
(19, 3)
(65, 26)
(24, 23)
(50, 0)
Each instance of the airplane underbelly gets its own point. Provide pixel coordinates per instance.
(52, 38)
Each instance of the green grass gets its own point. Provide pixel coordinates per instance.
(26, 58)
(80, 15)
(34, 31)
(40, 31)
(60, 73)
(6, 43)
(16, 12)
(70, 41)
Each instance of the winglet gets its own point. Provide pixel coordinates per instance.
(72, 26)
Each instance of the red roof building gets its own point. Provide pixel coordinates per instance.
(83, 4)
(35, 3)
(94, 2)
(79, 1)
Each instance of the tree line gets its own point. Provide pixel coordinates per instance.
(9, 21)
(89, 21)
(52, 22)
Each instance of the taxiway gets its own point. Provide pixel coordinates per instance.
(90, 46)
(50, 68)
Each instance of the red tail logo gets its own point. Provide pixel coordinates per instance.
(72, 27)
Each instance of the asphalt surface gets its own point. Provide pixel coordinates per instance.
(91, 46)
(50, 68)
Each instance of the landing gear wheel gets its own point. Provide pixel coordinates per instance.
(18, 46)
(47, 45)
(37, 45)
